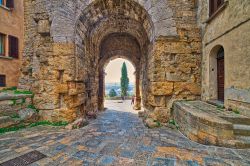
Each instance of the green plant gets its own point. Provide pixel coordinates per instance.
(219, 107)
(236, 111)
(61, 123)
(13, 101)
(23, 100)
(23, 92)
(9, 89)
(112, 93)
(173, 122)
(124, 80)
(15, 116)
(40, 123)
(16, 128)
(158, 123)
(31, 106)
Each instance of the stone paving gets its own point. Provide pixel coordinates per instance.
(116, 137)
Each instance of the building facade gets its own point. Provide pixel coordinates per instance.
(11, 41)
(226, 52)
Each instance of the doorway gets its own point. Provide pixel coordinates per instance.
(220, 74)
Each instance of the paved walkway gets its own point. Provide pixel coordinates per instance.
(117, 137)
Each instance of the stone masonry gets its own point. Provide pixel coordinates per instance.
(234, 37)
(67, 44)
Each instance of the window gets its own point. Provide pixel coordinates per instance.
(10, 4)
(7, 3)
(2, 44)
(13, 47)
(2, 80)
(214, 5)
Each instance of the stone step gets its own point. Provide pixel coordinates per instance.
(238, 120)
(243, 142)
(6, 121)
(216, 103)
(243, 130)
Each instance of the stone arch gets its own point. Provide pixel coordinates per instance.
(213, 71)
(102, 80)
(62, 64)
(130, 48)
(98, 10)
(110, 48)
(159, 12)
(124, 22)
(107, 61)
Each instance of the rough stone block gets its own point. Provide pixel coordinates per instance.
(193, 88)
(151, 123)
(156, 100)
(162, 88)
(6, 121)
(161, 114)
(44, 27)
(62, 88)
(173, 77)
(28, 115)
(60, 49)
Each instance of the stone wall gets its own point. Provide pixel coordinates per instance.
(63, 52)
(233, 36)
(174, 61)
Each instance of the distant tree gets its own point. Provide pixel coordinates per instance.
(124, 80)
(112, 93)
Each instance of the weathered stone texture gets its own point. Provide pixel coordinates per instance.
(10, 104)
(233, 36)
(204, 123)
(69, 42)
(176, 61)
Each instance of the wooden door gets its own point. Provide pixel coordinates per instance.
(220, 76)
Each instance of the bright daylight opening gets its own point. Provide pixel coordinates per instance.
(117, 86)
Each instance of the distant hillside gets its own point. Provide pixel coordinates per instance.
(117, 88)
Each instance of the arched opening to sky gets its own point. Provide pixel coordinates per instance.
(113, 76)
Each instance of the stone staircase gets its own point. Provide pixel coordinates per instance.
(14, 109)
(209, 124)
(241, 128)
(242, 134)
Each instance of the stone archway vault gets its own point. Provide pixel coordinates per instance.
(117, 32)
(120, 45)
(65, 47)
(102, 81)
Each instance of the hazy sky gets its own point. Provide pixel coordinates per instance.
(113, 71)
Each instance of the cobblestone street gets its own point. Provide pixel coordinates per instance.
(116, 137)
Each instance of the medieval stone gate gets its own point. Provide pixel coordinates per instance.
(68, 43)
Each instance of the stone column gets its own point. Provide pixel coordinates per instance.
(137, 105)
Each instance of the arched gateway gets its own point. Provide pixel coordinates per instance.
(68, 43)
